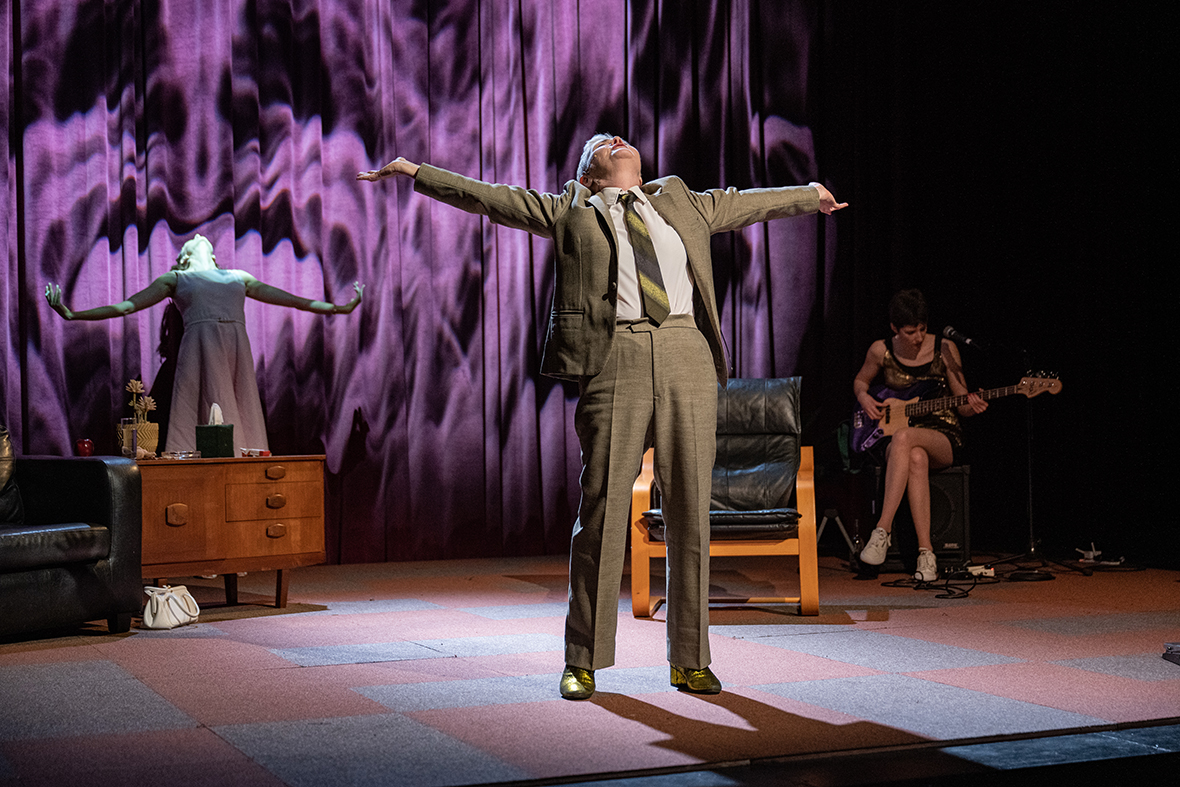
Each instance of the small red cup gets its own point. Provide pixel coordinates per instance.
(84, 447)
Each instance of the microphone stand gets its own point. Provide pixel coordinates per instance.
(1035, 574)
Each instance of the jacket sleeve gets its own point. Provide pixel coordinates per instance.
(730, 209)
(511, 206)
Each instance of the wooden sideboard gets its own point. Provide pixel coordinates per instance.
(224, 516)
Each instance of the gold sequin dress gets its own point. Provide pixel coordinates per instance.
(926, 381)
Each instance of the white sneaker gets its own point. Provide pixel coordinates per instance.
(874, 552)
(927, 566)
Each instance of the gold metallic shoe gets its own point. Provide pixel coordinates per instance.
(577, 683)
(698, 681)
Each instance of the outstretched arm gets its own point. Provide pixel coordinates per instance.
(158, 290)
(399, 166)
(261, 291)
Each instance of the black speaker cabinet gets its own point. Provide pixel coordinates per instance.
(950, 521)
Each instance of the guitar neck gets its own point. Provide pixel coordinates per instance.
(949, 402)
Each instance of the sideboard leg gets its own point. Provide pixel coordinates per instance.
(281, 584)
(231, 588)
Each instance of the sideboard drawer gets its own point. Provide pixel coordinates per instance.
(266, 538)
(274, 501)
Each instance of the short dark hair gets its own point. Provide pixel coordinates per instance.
(908, 307)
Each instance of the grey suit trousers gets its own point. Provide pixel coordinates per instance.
(658, 388)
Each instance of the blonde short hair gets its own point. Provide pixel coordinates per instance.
(588, 153)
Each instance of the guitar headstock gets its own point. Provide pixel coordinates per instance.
(1038, 383)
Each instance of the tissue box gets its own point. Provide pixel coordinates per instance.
(215, 440)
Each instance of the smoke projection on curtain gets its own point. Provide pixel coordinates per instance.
(142, 123)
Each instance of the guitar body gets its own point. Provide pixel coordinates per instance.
(866, 432)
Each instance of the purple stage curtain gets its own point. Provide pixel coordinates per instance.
(138, 124)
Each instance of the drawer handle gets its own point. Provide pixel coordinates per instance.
(176, 515)
(276, 472)
(276, 500)
(276, 531)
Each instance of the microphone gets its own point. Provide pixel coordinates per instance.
(955, 336)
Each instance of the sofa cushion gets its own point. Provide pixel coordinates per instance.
(27, 547)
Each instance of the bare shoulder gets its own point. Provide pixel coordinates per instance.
(167, 280)
(245, 276)
(950, 350)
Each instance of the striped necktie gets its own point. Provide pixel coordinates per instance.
(651, 281)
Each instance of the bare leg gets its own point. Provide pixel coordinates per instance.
(911, 455)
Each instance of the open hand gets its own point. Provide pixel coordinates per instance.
(827, 203)
(53, 297)
(399, 166)
(348, 307)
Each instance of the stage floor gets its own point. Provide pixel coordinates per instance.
(445, 673)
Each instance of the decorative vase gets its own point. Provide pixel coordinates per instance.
(146, 436)
(149, 436)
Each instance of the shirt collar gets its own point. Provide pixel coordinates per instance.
(611, 194)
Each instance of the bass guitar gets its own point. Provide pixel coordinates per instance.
(896, 413)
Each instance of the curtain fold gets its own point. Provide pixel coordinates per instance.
(141, 123)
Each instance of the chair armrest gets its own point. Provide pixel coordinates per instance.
(805, 487)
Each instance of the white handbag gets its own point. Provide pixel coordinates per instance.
(169, 607)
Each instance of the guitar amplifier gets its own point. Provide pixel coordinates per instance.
(950, 521)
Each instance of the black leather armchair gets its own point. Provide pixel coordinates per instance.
(763, 498)
(76, 555)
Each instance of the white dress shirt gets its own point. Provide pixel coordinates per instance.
(669, 252)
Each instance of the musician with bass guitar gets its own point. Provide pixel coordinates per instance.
(913, 363)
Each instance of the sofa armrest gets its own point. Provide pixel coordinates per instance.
(97, 490)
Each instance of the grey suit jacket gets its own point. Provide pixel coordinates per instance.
(582, 319)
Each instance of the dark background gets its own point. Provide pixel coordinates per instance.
(1007, 159)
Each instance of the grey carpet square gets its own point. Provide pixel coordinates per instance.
(366, 653)
(477, 692)
(196, 630)
(519, 611)
(632, 680)
(502, 645)
(932, 710)
(886, 652)
(373, 652)
(409, 697)
(364, 751)
(1144, 666)
(80, 698)
(1089, 625)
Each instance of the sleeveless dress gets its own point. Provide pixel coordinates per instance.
(927, 381)
(214, 364)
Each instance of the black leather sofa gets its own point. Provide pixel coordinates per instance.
(74, 555)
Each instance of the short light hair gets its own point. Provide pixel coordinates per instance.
(588, 153)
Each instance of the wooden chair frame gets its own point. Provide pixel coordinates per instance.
(803, 544)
